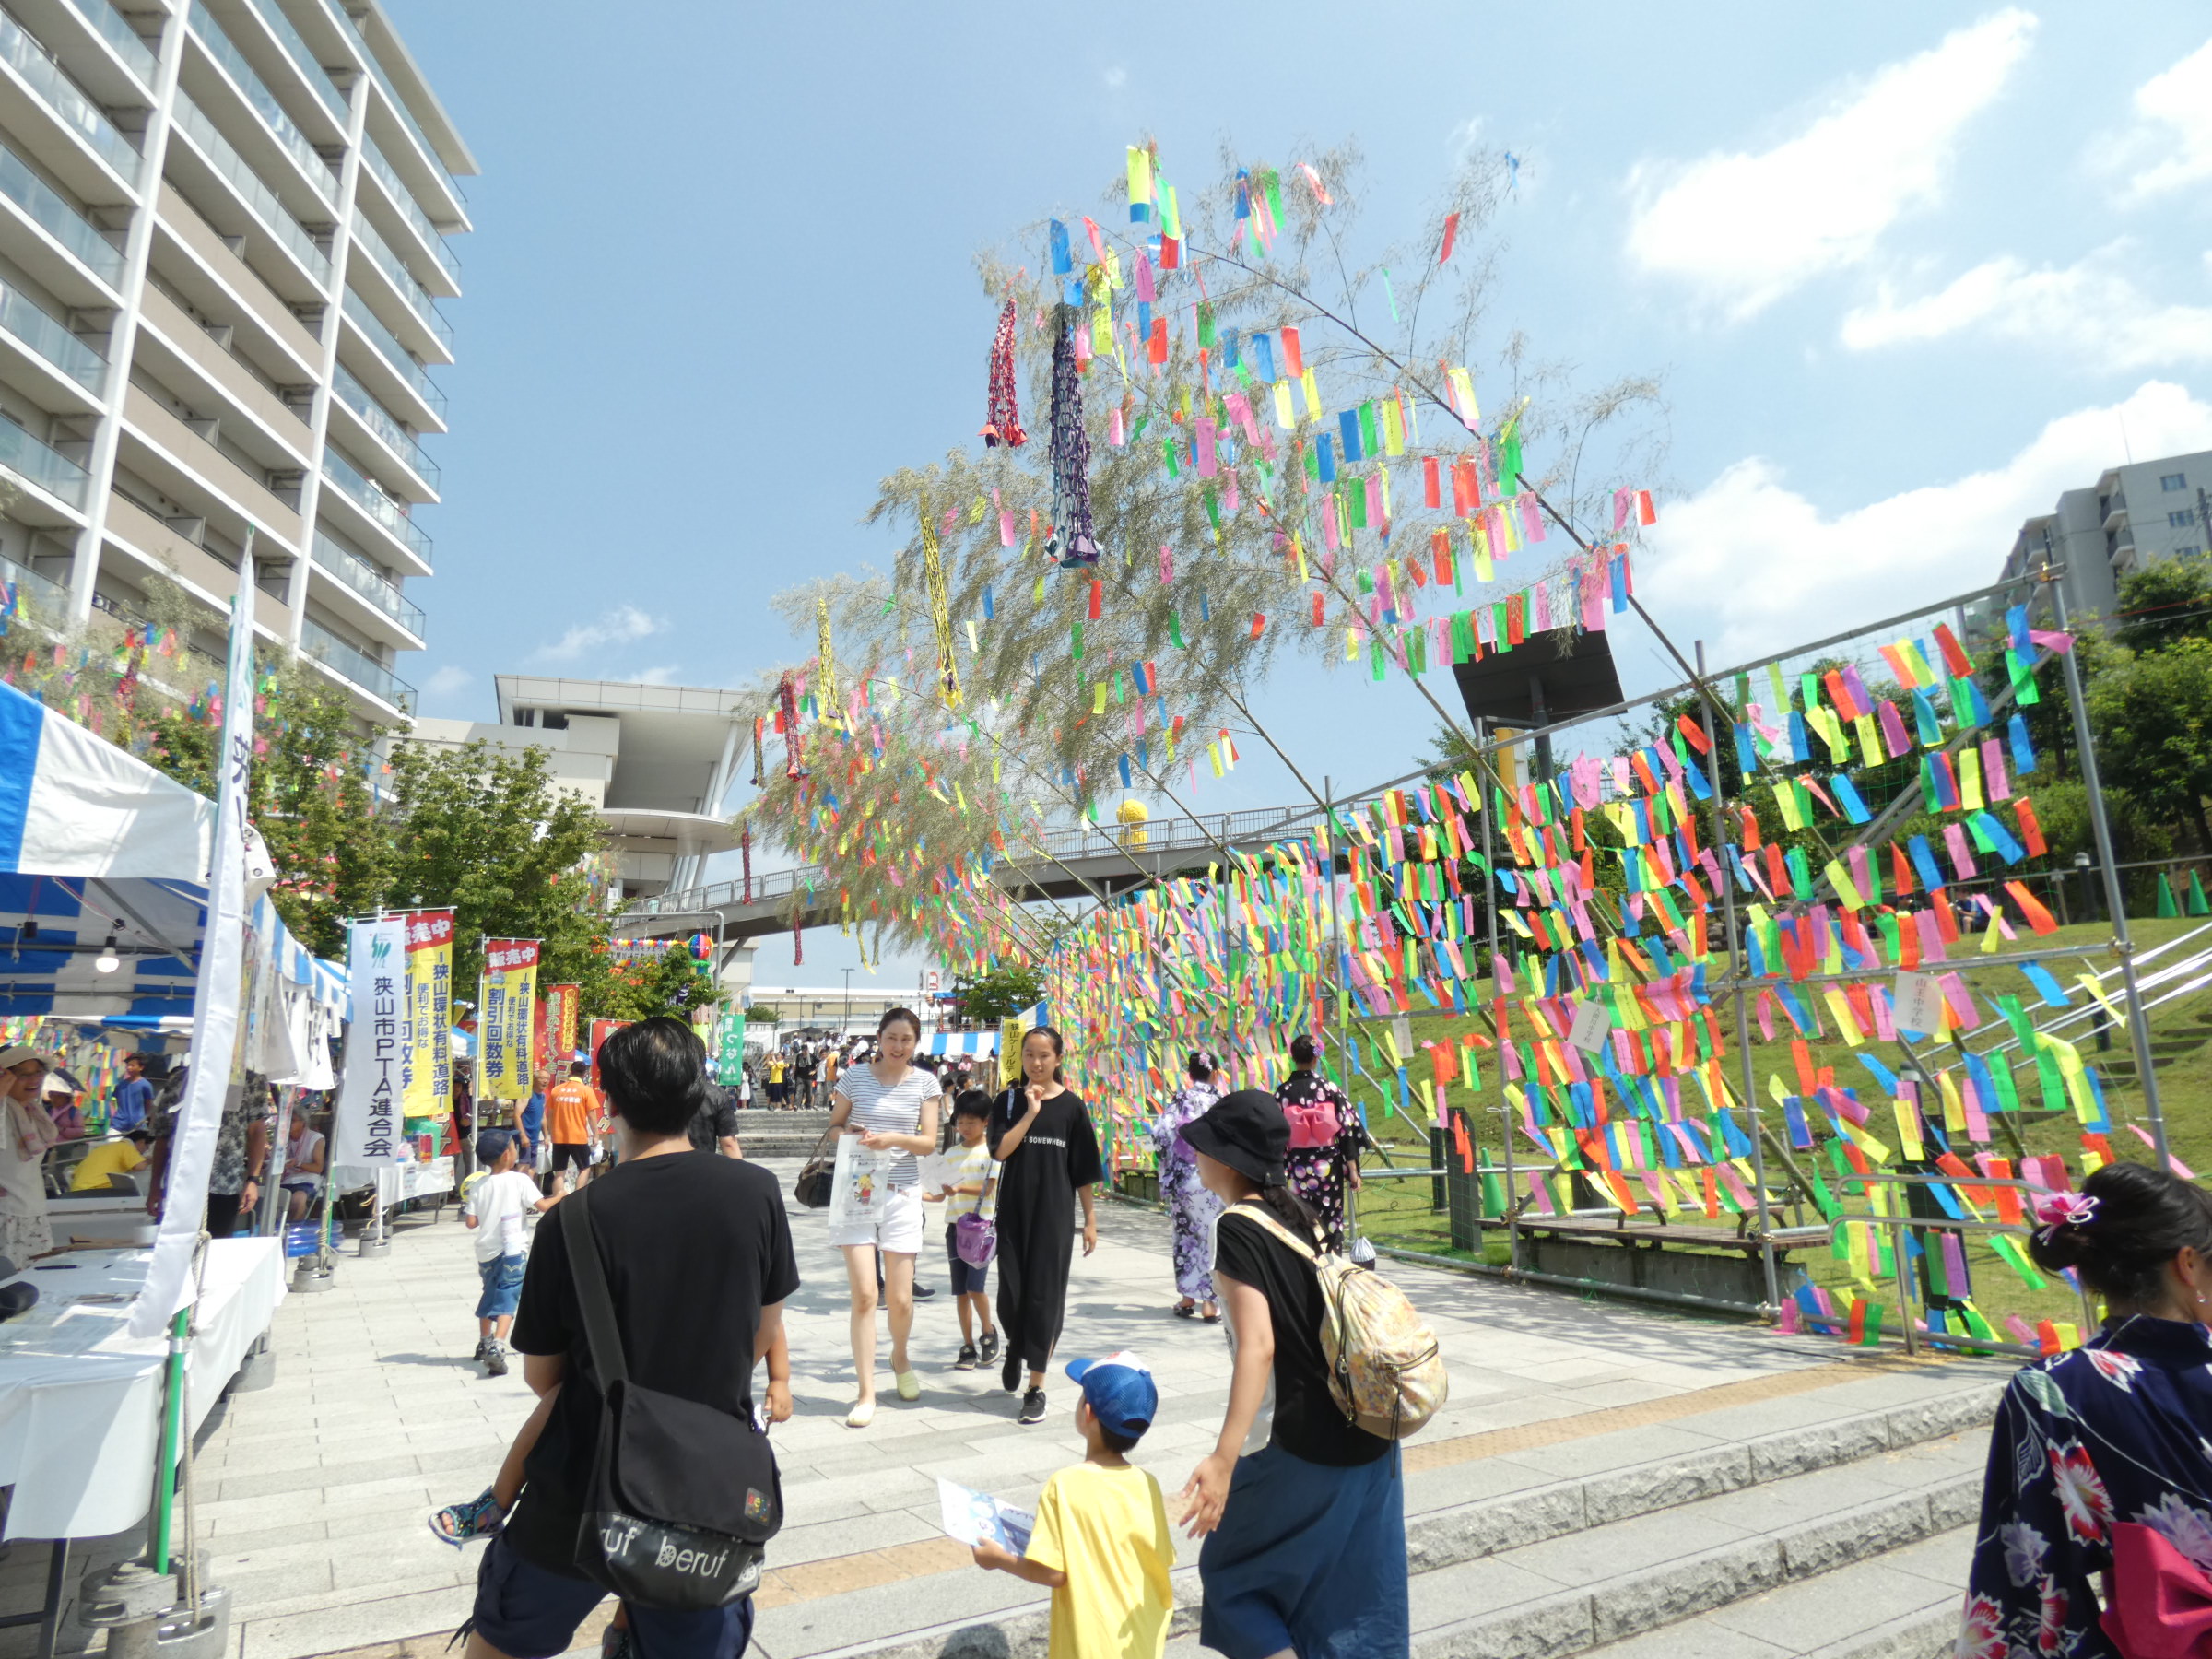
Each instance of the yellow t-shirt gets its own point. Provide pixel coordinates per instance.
(110, 1158)
(965, 1196)
(1107, 1529)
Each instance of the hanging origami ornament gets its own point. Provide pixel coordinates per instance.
(787, 700)
(1075, 539)
(1003, 420)
(826, 694)
(940, 608)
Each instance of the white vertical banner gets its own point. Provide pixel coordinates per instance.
(168, 1282)
(366, 1134)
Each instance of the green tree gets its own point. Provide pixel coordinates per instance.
(674, 984)
(2151, 716)
(312, 797)
(2164, 604)
(993, 996)
(488, 832)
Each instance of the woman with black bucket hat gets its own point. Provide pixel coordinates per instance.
(1303, 1513)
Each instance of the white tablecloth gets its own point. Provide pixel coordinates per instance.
(419, 1178)
(80, 1401)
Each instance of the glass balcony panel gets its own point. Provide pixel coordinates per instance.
(316, 77)
(68, 102)
(260, 200)
(50, 470)
(68, 226)
(366, 493)
(46, 336)
(110, 26)
(380, 420)
(49, 601)
(356, 665)
(396, 271)
(402, 361)
(265, 102)
(386, 175)
(357, 573)
(406, 116)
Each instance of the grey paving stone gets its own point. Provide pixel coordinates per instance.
(1829, 1608)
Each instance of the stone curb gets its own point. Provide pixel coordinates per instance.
(1928, 1634)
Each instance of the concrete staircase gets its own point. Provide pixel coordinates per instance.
(1836, 1523)
(771, 1134)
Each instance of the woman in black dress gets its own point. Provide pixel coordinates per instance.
(1048, 1153)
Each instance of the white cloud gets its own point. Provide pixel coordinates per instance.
(1747, 228)
(1116, 78)
(448, 681)
(621, 626)
(2173, 128)
(1752, 561)
(665, 674)
(2090, 309)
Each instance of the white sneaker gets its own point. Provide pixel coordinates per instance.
(862, 1414)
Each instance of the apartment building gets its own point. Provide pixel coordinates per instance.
(223, 247)
(2136, 514)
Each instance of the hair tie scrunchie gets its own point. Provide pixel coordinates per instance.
(2062, 1209)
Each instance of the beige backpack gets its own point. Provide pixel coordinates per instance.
(1385, 1372)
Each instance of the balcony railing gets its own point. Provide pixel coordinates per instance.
(261, 201)
(113, 28)
(386, 175)
(357, 574)
(303, 55)
(402, 362)
(397, 273)
(66, 226)
(379, 420)
(47, 336)
(356, 665)
(406, 116)
(272, 113)
(373, 500)
(49, 600)
(68, 102)
(49, 469)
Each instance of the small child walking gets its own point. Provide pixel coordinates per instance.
(1102, 1543)
(970, 1194)
(501, 1198)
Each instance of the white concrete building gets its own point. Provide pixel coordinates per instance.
(223, 244)
(2137, 515)
(657, 762)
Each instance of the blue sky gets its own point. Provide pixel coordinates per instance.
(1906, 272)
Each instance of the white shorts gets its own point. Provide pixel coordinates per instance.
(896, 1228)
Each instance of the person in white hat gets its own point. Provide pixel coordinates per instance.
(25, 1133)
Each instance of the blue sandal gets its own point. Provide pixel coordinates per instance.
(456, 1523)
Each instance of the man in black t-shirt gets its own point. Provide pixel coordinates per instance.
(698, 1262)
(713, 1127)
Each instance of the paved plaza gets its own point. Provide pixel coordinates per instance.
(313, 1493)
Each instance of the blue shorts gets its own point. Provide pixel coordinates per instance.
(502, 1279)
(966, 1279)
(527, 1612)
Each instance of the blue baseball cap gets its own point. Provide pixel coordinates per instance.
(1120, 1392)
(491, 1144)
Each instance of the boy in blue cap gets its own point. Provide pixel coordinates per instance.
(1102, 1543)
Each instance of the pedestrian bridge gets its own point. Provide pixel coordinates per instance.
(1054, 863)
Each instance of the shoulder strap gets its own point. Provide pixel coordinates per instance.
(1267, 1223)
(592, 1298)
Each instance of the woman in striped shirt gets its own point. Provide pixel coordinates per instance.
(888, 1106)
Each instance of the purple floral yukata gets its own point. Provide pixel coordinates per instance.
(1190, 1206)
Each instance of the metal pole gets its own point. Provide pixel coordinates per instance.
(1904, 1284)
(2100, 828)
(1505, 1109)
(1743, 1023)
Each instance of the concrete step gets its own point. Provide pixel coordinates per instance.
(1902, 1604)
(1619, 1542)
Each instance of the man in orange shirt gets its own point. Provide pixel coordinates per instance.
(571, 1116)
